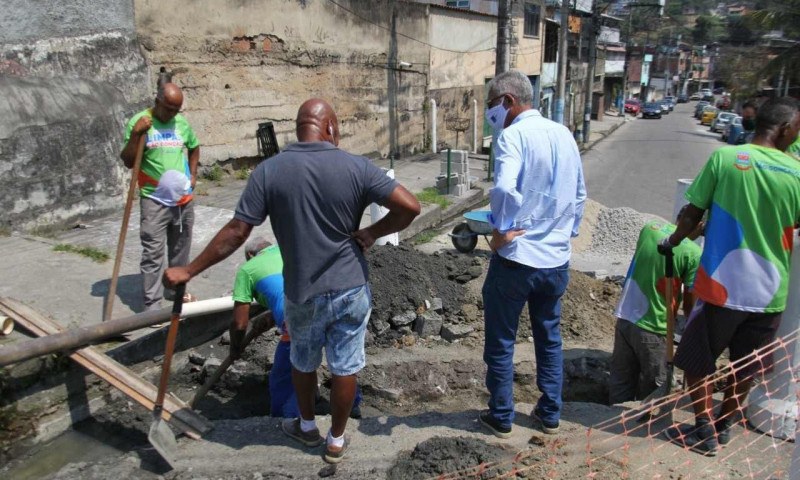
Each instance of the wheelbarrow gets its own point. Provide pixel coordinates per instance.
(465, 234)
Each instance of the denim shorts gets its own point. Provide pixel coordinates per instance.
(336, 321)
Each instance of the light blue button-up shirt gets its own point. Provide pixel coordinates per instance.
(538, 188)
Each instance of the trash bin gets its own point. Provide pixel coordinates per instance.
(267, 143)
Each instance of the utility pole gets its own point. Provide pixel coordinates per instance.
(503, 59)
(589, 88)
(628, 45)
(561, 83)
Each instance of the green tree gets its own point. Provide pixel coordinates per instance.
(783, 15)
(707, 29)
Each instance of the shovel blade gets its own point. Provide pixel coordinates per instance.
(163, 440)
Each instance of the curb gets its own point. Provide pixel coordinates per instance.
(433, 215)
(590, 145)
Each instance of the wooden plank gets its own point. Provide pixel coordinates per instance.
(140, 390)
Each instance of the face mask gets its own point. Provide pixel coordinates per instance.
(748, 124)
(496, 116)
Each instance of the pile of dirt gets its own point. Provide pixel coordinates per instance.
(407, 283)
(470, 457)
(587, 310)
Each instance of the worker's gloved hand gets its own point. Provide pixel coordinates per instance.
(237, 343)
(665, 246)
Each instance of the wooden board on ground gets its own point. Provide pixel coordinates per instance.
(176, 412)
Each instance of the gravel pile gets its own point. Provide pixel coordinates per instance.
(617, 231)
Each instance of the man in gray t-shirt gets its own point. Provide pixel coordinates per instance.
(314, 195)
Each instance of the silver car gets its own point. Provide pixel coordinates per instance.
(721, 120)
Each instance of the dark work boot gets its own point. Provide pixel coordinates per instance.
(723, 428)
(699, 438)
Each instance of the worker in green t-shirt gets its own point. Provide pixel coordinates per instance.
(752, 192)
(166, 179)
(794, 149)
(638, 361)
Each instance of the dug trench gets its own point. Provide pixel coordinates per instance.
(424, 354)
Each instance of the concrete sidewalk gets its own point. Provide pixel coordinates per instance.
(71, 289)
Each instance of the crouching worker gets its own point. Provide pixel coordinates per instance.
(638, 363)
(261, 279)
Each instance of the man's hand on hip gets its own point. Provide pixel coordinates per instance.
(500, 240)
(363, 238)
(174, 276)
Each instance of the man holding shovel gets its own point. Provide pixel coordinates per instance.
(637, 363)
(314, 195)
(166, 180)
(753, 194)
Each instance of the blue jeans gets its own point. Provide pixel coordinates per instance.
(508, 286)
(335, 321)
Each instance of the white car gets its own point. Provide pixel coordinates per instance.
(721, 120)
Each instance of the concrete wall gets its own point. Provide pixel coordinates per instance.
(257, 60)
(70, 73)
(459, 71)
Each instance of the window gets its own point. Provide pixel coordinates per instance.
(550, 42)
(458, 3)
(531, 20)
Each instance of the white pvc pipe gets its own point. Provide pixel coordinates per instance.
(6, 325)
(376, 212)
(203, 307)
(433, 126)
(474, 126)
(772, 406)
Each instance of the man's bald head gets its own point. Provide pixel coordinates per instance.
(317, 122)
(169, 100)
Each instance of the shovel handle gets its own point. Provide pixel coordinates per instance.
(670, 298)
(169, 349)
(112, 288)
(256, 330)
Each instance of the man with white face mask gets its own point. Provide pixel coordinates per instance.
(537, 205)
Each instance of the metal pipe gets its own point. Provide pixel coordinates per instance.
(81, 337)
(433, 126)
(474, 126)
(448, 170)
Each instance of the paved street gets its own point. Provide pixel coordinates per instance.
(639, 165)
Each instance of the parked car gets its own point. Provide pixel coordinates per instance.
(698, 109)
(632, 106)
(683, 98)
(722, 119)
(708, 115)
(652, 110)
(664, 106)
(696, 96)
(726, 130)
(719, 90)
(706, 92)
(671, 101)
